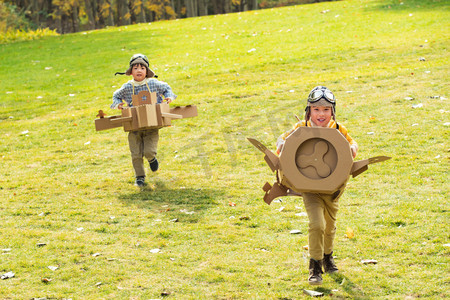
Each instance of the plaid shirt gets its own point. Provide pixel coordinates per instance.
(124, 93)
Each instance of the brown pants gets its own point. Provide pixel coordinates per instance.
(322, 210)
(143, 143)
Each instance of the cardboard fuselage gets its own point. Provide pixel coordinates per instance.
(313, 159)
(145, 113)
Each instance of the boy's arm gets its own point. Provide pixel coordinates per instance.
(352, 142)
(164, 89)
(117, 98)
(282, 138)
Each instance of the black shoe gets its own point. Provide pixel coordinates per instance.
(315, 272)
(328, 263)
(140, 181)
(154, 165)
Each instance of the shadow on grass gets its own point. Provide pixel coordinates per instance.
(178, 202)
(352, 290)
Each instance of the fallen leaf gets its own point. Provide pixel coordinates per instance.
(369, 261)
(409, 98)
(350, 234)
(53, 268)
(156, 250)
(306, 247)
(46, 280)
(7, 275)
(313, 293)
(244, 218)
(24, 132)
(231, 203)
(41, 244)
(96, 254)
(295, 231)
(417, 105)
(302, 214)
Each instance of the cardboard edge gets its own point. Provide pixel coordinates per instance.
(361, 166)
(271, 158)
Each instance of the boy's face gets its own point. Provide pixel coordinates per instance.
(321, 115)
(139, 72)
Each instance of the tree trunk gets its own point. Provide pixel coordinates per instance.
(191, 10)
(202, 7)
(123, 12)
(110, 17)
(90, 14)
(75, 18)
(35, 12)
(253, 4)
(141, 17)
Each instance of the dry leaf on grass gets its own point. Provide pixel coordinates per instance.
(46, 280)
(313, 293)
(7, 275)
(369, 261)
(349, 234)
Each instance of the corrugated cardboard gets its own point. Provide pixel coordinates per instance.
(313, 159)
(145, 113)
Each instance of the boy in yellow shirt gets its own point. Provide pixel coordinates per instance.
(321, 208)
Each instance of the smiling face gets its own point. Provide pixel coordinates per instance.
(139, 72)
(321, 115)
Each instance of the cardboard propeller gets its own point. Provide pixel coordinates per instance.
(145, 113)
(313, 159)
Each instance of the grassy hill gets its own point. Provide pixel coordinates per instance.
(68, 199)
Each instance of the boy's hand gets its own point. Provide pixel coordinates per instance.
(354, 149)
(168, 99)
(120, 106)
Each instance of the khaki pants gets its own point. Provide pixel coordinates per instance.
(143, 143)
(322, 210)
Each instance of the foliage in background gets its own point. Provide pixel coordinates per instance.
(73, 15)
(73, 226)
(12, 19)
(15, 26)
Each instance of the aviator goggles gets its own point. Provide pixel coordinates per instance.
(137, 56)
(320, 93)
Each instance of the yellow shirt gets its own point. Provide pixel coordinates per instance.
(332, 124)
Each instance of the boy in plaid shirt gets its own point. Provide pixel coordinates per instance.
(143, 143)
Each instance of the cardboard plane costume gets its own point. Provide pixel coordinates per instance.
(313, 159)
(145, 113)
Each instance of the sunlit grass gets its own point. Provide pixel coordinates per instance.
(70, 187)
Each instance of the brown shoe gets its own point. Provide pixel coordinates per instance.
(315, 272)
(328, 263)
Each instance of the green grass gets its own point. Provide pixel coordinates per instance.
(70, 187)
